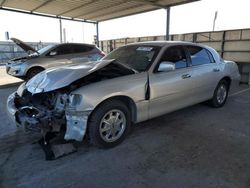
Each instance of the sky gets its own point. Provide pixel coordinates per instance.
(192, 17)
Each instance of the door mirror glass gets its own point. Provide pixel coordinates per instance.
(52, 53)
(166, 66)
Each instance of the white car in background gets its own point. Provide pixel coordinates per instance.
(50, 56)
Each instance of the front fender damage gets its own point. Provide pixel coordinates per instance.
(76, 125)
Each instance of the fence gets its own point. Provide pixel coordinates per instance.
(231, 44)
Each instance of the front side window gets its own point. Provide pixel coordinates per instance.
(137, 57)
(46, 49)
(176, 55)
(199, 56)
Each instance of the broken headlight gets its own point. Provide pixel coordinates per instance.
(74, 99)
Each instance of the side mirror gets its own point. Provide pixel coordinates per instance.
(166, 66)
(52, 53)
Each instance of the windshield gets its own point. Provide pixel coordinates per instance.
(46, 48)
(137, 57)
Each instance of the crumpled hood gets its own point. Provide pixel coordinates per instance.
(59, 77)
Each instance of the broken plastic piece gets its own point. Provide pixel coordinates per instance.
(62, 149)
(55, 147)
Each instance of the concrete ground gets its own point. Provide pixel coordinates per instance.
(195, 147)
(6, 79)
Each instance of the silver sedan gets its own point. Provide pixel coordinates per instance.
(132, 84)
(50, 56)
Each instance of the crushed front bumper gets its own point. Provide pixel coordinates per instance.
(76, 122)
(13, 114)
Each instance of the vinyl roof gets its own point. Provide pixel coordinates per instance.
(91, 10)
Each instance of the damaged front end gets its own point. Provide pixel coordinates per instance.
(49, 112)
(49, 103)
(46, 104)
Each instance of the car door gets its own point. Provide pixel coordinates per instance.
(171, 90)
(205, 72)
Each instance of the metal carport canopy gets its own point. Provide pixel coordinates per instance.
(90, 11)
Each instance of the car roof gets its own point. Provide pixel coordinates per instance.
(166, 43)
(85, 44)
(174, 43)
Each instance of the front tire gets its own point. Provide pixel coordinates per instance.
(109, 124)
(220, 94)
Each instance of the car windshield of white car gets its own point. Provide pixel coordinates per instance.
(137, 57)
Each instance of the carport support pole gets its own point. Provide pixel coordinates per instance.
(60, 24)
(167, 23)
(97, 34)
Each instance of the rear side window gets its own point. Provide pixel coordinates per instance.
(199, 56)
(176, 55)
(78, 48)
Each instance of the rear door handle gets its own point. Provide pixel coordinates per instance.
(185, 76)
(216, 70)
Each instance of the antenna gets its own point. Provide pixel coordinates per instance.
(215, 18)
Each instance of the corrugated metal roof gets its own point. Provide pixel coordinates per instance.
(94, 10)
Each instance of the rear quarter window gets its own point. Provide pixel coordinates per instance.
(211, 57)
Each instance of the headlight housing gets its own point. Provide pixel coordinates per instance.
(74, 99)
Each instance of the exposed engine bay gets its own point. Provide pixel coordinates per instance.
(110, 71)
(40, 112)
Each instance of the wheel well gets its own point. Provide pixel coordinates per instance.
(35, 67)
(127, 101)
(228, 79)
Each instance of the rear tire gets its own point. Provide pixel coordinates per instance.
(220, 94)
(33, 71)
(109, 124)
